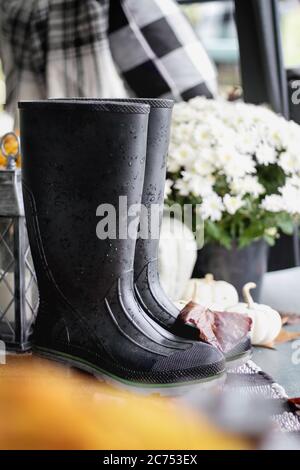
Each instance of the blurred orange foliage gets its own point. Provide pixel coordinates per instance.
(43, 406)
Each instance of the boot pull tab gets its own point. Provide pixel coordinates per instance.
(11, 157)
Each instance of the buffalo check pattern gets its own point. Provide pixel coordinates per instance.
(104, 48)
(157, 50)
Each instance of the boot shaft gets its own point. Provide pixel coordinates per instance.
(76, 157)
(155, 175)
(154, 185)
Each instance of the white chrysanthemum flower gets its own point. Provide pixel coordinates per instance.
(208, 154)
(290, 134)
(222, 136)
(291, 197)
(182, 154)
(202, 135)
(232, 203)
(225, 155)
(182, 133)
(182, 187)
(183, 113)
(168, 188)
(202, 167)
(233, 164)
(172, 164)
(294, 181)
(247, 185)
(247, 141)
(240, 166)
(273, 203)
(201, 104)
(290, 162)
(266, 154)
(271, 232)
(276, 137)
(212, 207)
(199, 185)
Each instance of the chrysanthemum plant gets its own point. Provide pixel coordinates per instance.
(239, 164)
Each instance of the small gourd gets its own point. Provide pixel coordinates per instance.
(266, 322)
(210, 293)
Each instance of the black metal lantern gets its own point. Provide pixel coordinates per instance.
(18, 286)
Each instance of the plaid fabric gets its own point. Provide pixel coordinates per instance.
(157, 51)
(64, 48)
(57, 48)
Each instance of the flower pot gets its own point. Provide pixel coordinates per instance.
(237, 266)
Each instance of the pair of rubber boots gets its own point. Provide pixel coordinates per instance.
(102, 308)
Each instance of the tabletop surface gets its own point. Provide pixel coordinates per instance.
(282, 364)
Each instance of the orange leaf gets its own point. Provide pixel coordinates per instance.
(283, 337)
(286, 336)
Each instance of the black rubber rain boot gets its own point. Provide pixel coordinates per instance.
(147, 284)
(149, 292)
(77, 156)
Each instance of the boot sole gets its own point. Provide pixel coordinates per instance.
(174, 389)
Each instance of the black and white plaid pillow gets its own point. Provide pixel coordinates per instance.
(157, 50)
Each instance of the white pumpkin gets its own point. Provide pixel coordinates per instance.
(217, 295)
(177, 257)
(266, 322)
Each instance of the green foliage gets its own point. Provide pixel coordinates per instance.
(271, 177)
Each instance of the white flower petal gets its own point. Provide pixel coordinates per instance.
(233, 203)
